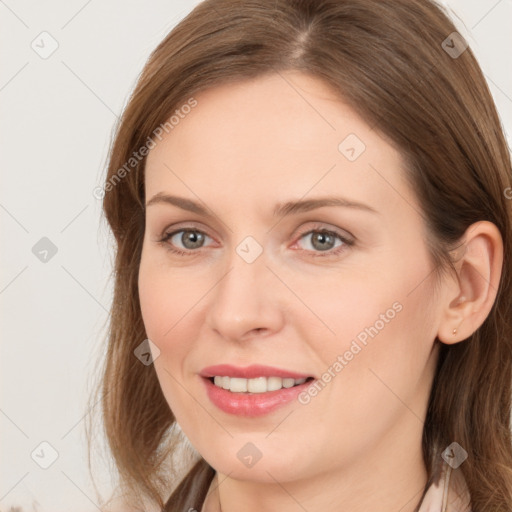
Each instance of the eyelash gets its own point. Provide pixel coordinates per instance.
(322, 254)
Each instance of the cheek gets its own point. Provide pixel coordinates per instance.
(384, 327)
(391, 300)
(167, 298)
(350, 306)
(166, 302)
(155, 301)
(173, 302)
(394, 368)
(382, 324)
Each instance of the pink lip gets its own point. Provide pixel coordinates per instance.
(249, 372)
(251, 404)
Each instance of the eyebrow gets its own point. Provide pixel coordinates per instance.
(281, 209)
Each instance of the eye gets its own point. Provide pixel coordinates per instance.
(323, 242)
(190, 239)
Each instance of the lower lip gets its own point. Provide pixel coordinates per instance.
(252, 404)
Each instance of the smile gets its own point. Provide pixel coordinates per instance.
(249, 404)
(257, 385)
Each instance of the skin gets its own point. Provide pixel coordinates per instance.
(356, 445)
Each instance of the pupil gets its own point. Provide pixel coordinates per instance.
(193, 237)
(322, 237)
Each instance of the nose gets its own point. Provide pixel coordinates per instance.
(247, 301)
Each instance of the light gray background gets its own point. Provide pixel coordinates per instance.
(57, 117)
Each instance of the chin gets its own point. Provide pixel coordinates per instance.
(246, 463)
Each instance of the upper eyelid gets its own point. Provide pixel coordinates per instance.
(317, 227)
(168, 232)
(302, 218)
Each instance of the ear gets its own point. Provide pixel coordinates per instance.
(469, 298)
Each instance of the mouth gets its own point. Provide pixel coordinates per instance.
(258, 385)
(253, 390)
(254, 397)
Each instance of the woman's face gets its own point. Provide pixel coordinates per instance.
(342, 293)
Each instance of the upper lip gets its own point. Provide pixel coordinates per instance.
(250, 372)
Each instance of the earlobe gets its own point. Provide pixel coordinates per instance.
(470, 299)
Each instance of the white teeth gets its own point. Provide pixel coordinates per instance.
(288, 383)
(257, 385)
(238, 385)
(274, 383)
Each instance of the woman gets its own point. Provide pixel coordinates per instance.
(310, 201)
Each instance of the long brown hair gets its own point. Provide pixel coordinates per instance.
(399, 66)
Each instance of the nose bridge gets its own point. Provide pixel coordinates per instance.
(245, 299)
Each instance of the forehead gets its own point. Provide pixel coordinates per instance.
(258, 138)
